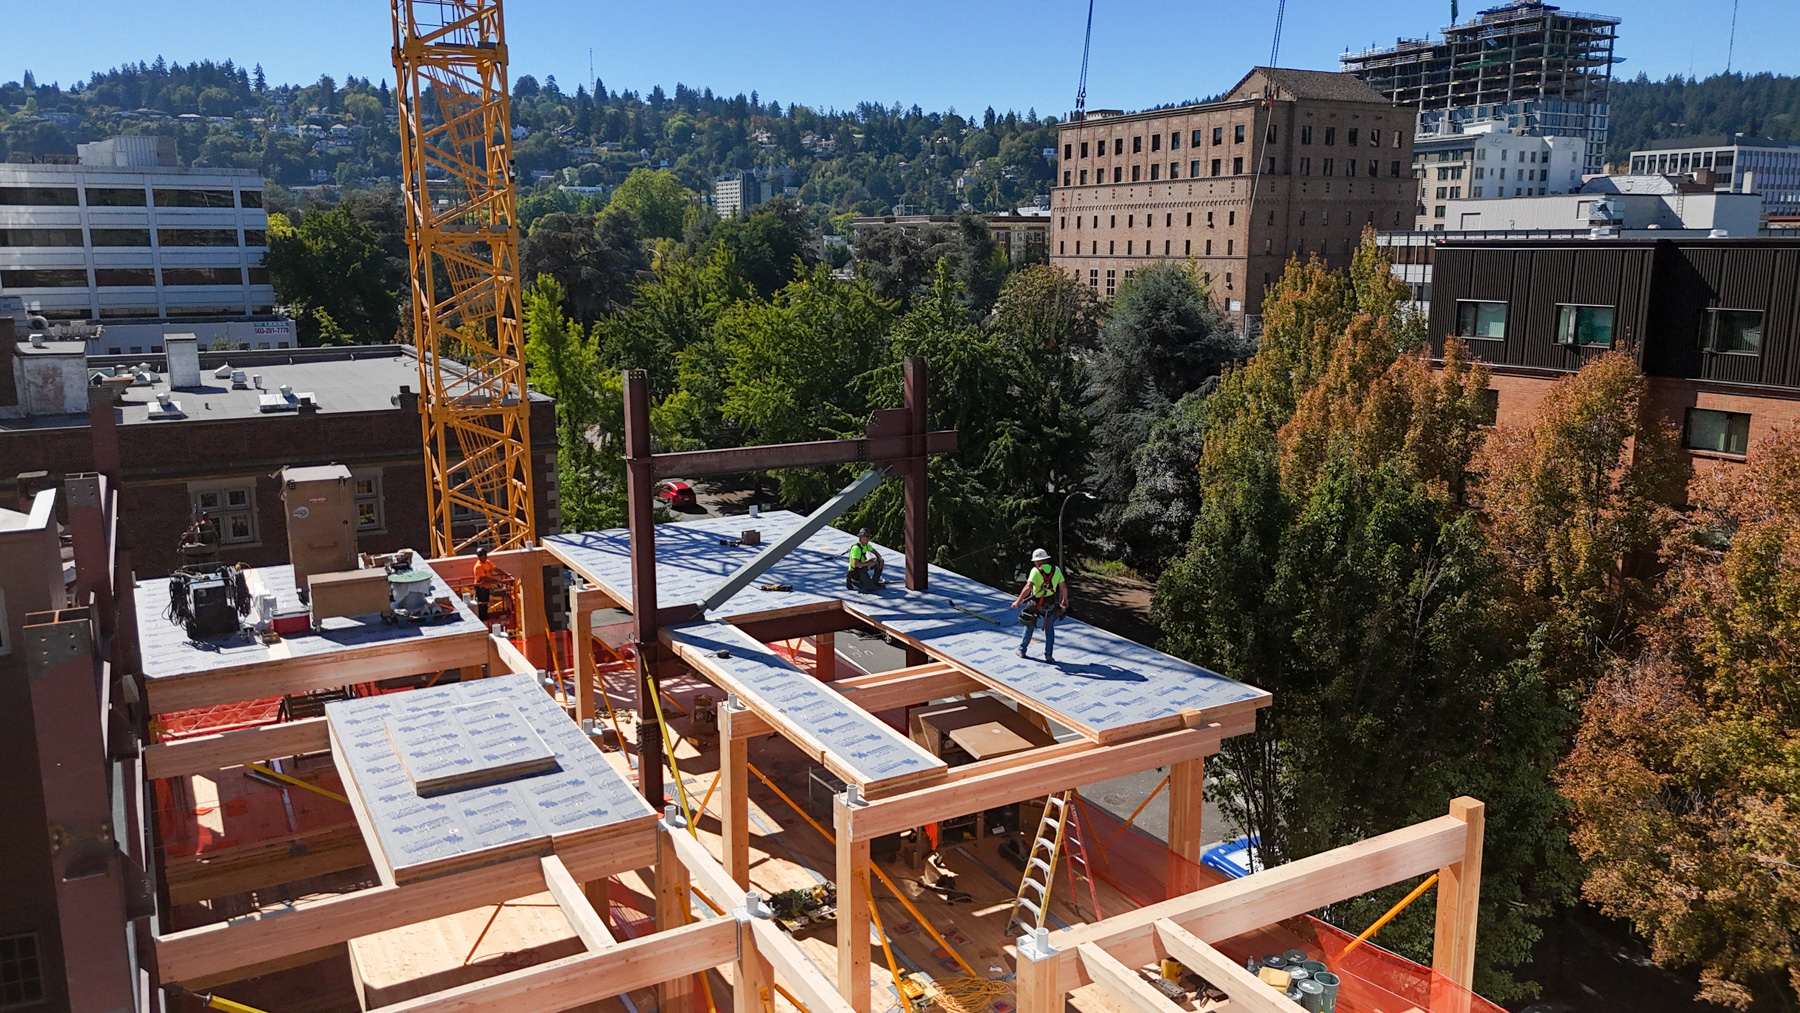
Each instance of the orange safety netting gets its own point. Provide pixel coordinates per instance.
(1372, 980)
(225, 717)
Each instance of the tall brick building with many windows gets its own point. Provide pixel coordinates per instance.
(1289, 163)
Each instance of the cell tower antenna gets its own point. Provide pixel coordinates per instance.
(1081, 89)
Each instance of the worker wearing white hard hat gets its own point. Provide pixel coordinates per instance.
(1049, 595)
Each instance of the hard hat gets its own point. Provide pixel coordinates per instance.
(1039, 555)
(860, 532)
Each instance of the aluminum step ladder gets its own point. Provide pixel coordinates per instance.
(1058, 828)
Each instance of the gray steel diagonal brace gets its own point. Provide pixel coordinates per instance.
(768, 557)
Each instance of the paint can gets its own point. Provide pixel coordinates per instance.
(1274, 960)
(1295, 957)
(1314, 966)
(1328, 982)
(1298, 972)
(1312, 996)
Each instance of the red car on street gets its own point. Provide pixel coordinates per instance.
(676, 494)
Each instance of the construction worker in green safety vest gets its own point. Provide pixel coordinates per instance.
(865, 565)
(1042, 584)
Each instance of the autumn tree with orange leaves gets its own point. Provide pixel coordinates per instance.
(1685, 776)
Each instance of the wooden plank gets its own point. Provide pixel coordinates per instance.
(798, 706)
(208, 753)
(1243, 988)
(802, 976)
(1262, 899)
(504, 658)
(575, 907)
(674, 908)
(1123, 983)
(572, 981)
(304, 957)
(705, 871)
(852, 914)
(1035, 986)
(1187, 783)
(332, 670)
(883, 691)
(583, 602)
(734, 805)
(1459, 898)
(209, 951)
(1031, 780)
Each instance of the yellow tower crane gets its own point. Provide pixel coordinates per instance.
(461, 232)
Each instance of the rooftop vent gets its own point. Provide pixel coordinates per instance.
(238, 380)
(223, 372)
(166, 407)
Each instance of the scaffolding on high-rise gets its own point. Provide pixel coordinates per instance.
(461, 232)
(1543, 70)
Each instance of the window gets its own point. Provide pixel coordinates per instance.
(1399, 137)
(1485, 320)
(1218, 135)
(259, 275)
(1118, 174)
(1068, 152)
(1169, 221)
(44, 279)
(120, 197)
(1237, 166)
(1112, 281)
(1112, 246)
(1209, 219)
(1130, 221)
(1155, 171)
(1230, 244)
(251, 198)
(194, 199)
(196, 237)
(1155, 142)
(1270, 135)
(116, 276)
(202, 276)
(1237, 134)
(1209, 247)
(1112, 221)
(1330, 135)
(1215, 167)
(1443, 192)
(368, 501)
(1137, 145)
(1084, 177)
(40, 237)
(1118, 145)
(1327, 167)
(1194, 141)
(1475, 191)
(120, 237)
(1306, 167)
(1394, 168)
(1269, 164)
(1350, 167)
(21, 976)
(1489, 402)
(1584, 325)
(1194, 169)
(38, 196)
(1174, 170)
(1718, 432)
(1093, 278)
(1128, 245)
(1350, 137)
(232, 506)
(1735, 332)
(1175, 141)
(1084, 149)
(1374, 167)
(1187, 248)
(1306, 135)
(1231, 218)
(1374, 137)
(1066, 177)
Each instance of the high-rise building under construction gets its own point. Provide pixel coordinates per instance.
(1538, 69)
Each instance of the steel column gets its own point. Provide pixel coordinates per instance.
(918, 576)
(640, 515)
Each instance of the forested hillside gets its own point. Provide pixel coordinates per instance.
(1767, 105)
(862, 160)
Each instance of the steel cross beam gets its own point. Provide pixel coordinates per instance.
(896, 438)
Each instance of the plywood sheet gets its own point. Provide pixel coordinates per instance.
(581, 800)
(168, 652)
(1102, 684)
(459, 949)
(476, 744)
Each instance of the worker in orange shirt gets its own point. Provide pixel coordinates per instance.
(488, 576)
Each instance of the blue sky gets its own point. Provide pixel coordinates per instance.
(936, 53)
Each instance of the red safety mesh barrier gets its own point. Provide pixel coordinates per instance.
(1372, 980)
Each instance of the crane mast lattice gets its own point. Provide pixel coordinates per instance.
(463, 241)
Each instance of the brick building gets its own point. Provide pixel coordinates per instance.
(1288, 163)
(1714, 324)
(218, 449)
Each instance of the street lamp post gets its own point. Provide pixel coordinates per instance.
(1064, 509)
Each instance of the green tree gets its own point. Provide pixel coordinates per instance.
(589, 411)
(330, 268)
(595, 259)
(769, 247)
(1162, 339)
(656, 201)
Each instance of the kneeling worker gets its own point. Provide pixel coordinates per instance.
(865, 565)
(1043, 584)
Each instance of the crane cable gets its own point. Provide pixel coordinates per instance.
(1081, 88)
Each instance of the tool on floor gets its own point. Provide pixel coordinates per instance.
(798, 908)
(1056, 829)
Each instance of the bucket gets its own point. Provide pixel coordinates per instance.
(1312, 995)
(1295, 957)
(408, 582)
(1327, 982)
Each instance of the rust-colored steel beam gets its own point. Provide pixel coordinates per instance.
(640, 515)
(918, 573)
